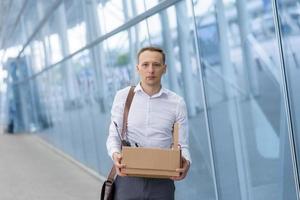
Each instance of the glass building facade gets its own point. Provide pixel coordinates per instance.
(235, 62)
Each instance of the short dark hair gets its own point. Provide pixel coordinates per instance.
(152, 48)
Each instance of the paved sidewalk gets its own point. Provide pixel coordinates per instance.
(29, 170)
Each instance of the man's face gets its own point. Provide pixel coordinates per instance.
(151, 68)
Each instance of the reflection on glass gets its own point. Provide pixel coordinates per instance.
(111, 15)
(290, 29)
(241, 68)
(118, 64)
(73, 15)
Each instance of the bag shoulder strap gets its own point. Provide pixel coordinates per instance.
(175, 136)
(112, 173)
(126, 110)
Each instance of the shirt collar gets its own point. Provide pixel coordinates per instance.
(161, 91)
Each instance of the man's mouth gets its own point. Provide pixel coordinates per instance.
(150, 77)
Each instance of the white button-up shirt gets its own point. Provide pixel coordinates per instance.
(150, 120)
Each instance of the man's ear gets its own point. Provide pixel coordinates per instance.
(137, 67)
(165, 70)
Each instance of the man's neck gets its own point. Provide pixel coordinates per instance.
(151, 90)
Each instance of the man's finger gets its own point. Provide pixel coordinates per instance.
(176, 178)
(120, 173)
(119, 165)
(180, 170)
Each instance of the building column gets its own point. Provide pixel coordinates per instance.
(249, 71)
(235, 135)
(44, 31)
(66, 70)
(133, 34)
(184, 49)
(170, 57)
(136, 28)
(30, 93)
(97, 54)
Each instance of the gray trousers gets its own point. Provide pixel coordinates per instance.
(135, 188)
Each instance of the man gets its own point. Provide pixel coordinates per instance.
(153, 112)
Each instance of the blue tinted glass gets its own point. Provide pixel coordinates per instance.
(246, 110)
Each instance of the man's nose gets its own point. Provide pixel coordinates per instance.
(151, 68)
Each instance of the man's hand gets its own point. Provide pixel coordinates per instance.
(117, 157)
(183, 171)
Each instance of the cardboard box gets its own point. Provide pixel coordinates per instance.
(152, 162)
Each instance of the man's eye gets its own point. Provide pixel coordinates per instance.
(144, 64)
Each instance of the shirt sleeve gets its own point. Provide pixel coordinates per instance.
(183, 139)
(113, 143)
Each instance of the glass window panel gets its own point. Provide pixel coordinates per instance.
(43, 88)
(52, 38)
(75, 29)
(71, 111)
(30, 18)
(289, 18)
(37, 55)
(57, 109)
(111, 15)
(150, 4)
(85, 103)
(117, 57)
(114, 13)
(139, 6)
(113, 71)
(241, 70)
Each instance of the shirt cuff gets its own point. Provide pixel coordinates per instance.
(186, 155)
(112, 151)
